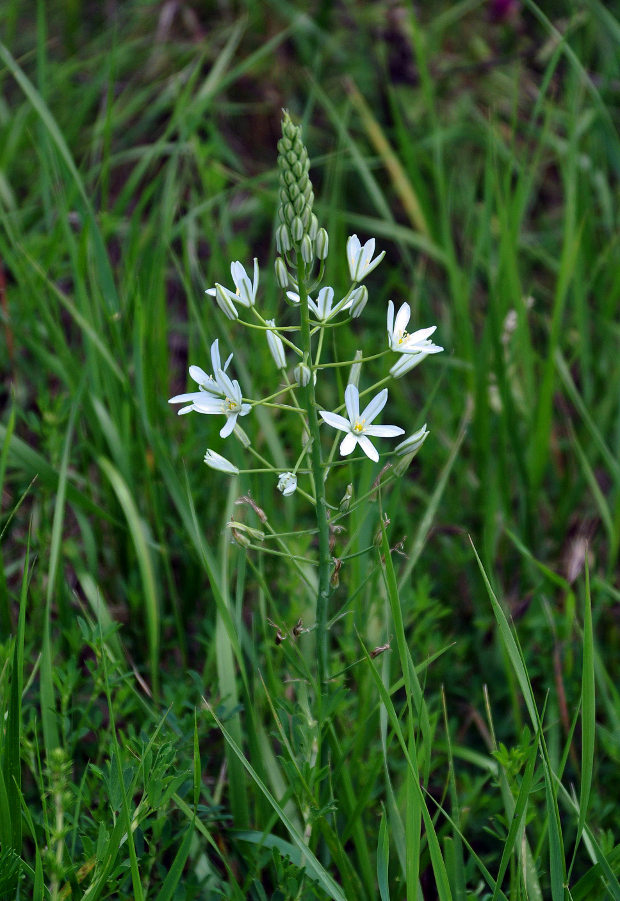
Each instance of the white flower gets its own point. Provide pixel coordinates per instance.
(359, 258)
(245, 292)
(216, 461)
(403, 342)
(276, 346)
(358, 427)
(207, 383)
(228, 401)
(287, 483)
(323, 307)
(218, 394)
(413, 443)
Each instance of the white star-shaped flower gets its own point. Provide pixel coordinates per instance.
(228, 401)
(207, 383)
(359, 427)
(245, 290)
(360, 258)
(218, 393)
(399, 338)
(323, 308)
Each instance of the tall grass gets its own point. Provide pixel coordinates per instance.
(156, 740)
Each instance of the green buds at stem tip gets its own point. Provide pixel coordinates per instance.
(296, 194)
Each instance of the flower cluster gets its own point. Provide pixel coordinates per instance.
(299, 272)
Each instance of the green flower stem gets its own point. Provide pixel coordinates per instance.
(383, 353)
(319, 484)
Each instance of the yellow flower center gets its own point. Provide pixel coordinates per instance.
(230, 404)
(359, 425)
(403, 337)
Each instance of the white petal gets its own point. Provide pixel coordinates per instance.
(352, 402)
(353, 254)
(183, 398)
(335, 421)
(368, 447)
(324, 302)
(375, 406)
(245, 409)
(215, 355)
(228, 426)
(199, 375)
(402, 319)
(348, 443)
(374, 263)
(208, 404)
(384, 431)
(227, 386)
(390, 319)
(367, 251)
(255, 282)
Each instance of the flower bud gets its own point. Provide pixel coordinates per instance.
(354, 375)
(297, 229)
(276, 346)
(225, 303)
(408, 448)
(347, 497)
(307, 251)
(281, 273)
(321, 244)
(296, 194)
(406, 363)
(283, 239)
(216, 461)
(241, 435)
(359, 299)
(313, 226)
(302, 374)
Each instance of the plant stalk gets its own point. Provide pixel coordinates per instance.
(316, 462)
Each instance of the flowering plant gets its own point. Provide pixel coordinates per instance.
(300, 268)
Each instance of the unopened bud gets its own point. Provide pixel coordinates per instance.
(307, 251)
(297, 229)
(313, 226)
(345, 503)
(407, 450)
(321, 244)
(359, 299)
(302, 374)
(276, 346)
(239, 433)
(283, 239)
(354, 375)
(281, 273)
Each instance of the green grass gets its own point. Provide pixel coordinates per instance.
(157, 742)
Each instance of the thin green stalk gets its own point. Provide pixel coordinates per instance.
(319, 484)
